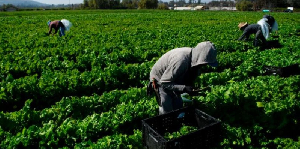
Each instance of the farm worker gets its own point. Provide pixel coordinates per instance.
(272, 22)
(260, 31)
(60, 25)
(175, 72)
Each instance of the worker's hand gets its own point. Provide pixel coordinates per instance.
(191, 90)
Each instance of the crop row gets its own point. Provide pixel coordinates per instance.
(53, 85)
(65, 121)
(86, 89)
(50, 86)
(73, 120)
(241, 100)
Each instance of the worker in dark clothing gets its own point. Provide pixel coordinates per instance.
(252, 29)
(175, 72)
(56, 25)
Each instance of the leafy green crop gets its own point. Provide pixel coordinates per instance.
(184, 130)
(87, 89)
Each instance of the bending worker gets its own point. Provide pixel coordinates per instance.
(175, 72)
(256, 29)
(60, 25)
(261, 30)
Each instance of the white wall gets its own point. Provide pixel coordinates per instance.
(222, 8)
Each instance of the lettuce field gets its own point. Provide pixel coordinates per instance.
(88, 89)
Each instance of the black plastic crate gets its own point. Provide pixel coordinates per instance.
(207, 135)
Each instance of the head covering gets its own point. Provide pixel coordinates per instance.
(274, 27)
(66, 23)
(272, 22)
(204, 53)
(264, 27)
(269, 19)
(242, 24)
(48, 22)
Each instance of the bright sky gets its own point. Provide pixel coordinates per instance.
(59, 1)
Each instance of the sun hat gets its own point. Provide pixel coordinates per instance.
(242, 24)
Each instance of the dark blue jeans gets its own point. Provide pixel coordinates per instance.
(61, 31)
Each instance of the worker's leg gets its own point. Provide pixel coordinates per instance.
(61, 31)
(177, 102)
(263, 40)
(259, 37)
(169, 101)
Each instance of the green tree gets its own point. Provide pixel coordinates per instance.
(130, 4)
(103, 4)
(91, 3)
(85, 3)
(244, 5)
(163, 6)
(148, 4)
(3, 6)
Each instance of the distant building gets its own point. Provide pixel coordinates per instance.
(189, 8)
(222, 8)
(183, 8)
(199, 8)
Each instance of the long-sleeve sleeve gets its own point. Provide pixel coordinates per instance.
(173, 87)
(175, 71)
(259, 36)
(50, 29)
(243, 35)
(250, 29)
(54, 25)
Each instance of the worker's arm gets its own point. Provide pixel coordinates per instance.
(243, 35)
(55, 30)
(173, 87)
(50, 29)
(259, 36)
(175, 71)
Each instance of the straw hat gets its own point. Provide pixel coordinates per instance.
(242, 24)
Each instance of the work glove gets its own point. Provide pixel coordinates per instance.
(191, 90)
(188, 89)
(194, 91)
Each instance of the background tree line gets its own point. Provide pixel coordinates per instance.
(241, 5)
(101, 4)
(115, 4)
(247, 5)
(5, 6)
